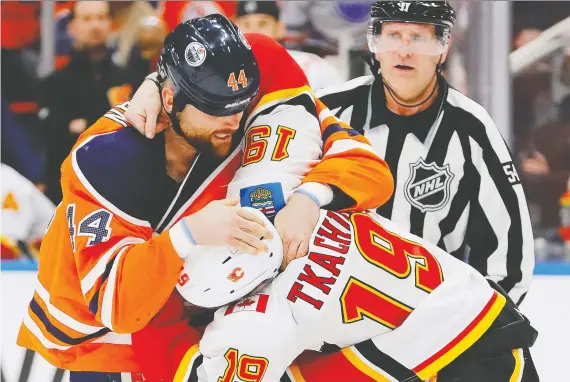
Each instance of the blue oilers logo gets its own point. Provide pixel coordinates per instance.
(195, 54)
(428, 186)
(262, 199)
(243, 39)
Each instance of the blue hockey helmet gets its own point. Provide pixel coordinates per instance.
(210, 65)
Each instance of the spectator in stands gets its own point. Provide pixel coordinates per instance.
(532, 90)
(125, 21)
(175, 12)
(538, 15)
(20, 56)
(263, 17)
(144, 57)
(329, 28)
(546, 166)
(74, 97)
(525, 36)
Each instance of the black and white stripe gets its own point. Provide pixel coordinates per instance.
(482, 206)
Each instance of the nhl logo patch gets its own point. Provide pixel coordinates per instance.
(428, 186)
(195, 54)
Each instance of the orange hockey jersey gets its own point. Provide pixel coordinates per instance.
(112, 253)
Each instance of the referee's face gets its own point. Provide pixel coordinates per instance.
(405, 67)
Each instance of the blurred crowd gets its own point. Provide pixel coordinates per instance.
(103, 51)
(541, 128)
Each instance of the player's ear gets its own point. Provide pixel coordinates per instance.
(167, 98)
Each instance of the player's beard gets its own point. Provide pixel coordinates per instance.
(208, 145)
(205, 138)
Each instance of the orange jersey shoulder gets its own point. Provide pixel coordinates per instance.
(94, 286)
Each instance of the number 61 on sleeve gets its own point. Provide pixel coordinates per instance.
(256, 142)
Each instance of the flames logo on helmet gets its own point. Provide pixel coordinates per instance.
(195, 54)
(236, 275)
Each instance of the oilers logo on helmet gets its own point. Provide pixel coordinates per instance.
(195, 54)
(243, 39)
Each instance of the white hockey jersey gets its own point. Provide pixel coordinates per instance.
(26, 212)
(302, 147)
(304, 132)
(363, 278)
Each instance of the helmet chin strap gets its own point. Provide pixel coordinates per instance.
(175, 122)
(172, 115)
(395, 96)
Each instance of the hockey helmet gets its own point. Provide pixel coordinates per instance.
(438, 13)
(216, 276)
(211, 66)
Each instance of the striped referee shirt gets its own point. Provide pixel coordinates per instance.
(455, 182)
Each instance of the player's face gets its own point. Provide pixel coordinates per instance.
(259, 23)
(207, 133)
(409, 73)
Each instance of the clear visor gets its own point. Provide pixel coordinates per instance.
(391, 38)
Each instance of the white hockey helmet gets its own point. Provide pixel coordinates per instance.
(217, 276)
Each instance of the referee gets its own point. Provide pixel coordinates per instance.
(456, 184)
